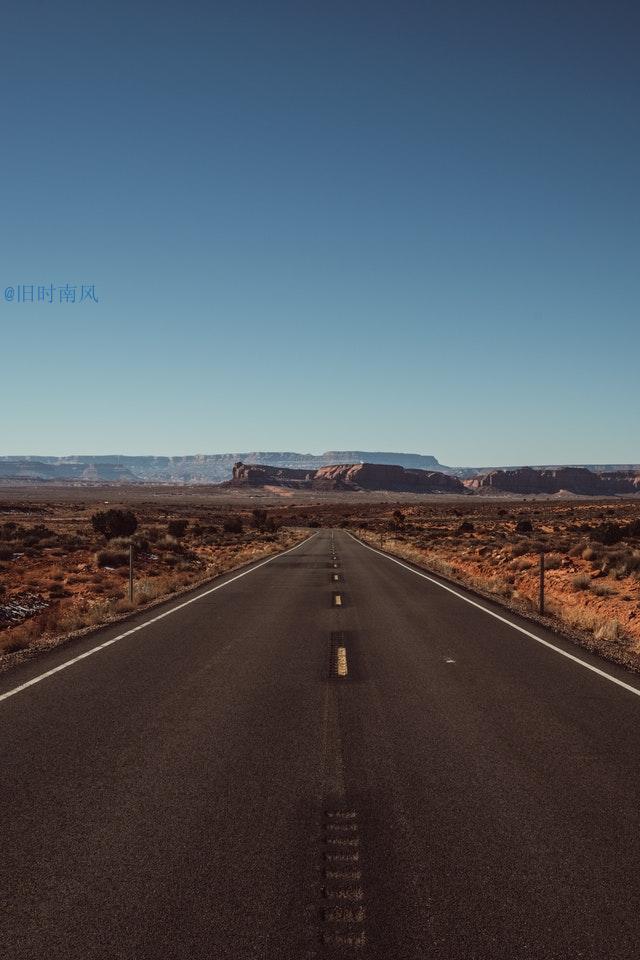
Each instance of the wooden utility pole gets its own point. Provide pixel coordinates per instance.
(130, 573)
(541, 604)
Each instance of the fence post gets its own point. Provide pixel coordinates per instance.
(130, 573)
(542, 582)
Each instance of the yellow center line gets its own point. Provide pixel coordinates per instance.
(341, 661)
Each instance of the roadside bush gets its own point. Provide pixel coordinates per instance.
(112, 558)
(604, 590)
(259, 519)
(610, 631)
(232, 525)
(581, 582)
(524, 526)
(114, 523)
(608, 533)
(6, 552)
(57, 591)
(177, 528)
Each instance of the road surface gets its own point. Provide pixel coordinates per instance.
(298, 766)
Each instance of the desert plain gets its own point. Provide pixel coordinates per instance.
(60, 576)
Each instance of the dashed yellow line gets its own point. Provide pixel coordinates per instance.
(337, 600)
(341, 661)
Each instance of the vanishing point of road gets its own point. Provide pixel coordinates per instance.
(327, 754)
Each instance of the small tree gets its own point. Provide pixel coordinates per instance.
(397, 521)
(524, 526)
(177, 528)
(232, 525)
(114, 523)
(259, 519)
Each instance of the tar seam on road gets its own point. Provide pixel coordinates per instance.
(147, 623)
(509, 623)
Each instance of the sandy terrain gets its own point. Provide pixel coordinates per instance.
(58, 576)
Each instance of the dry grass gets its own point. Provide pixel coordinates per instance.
(82, 581)
(592, 588)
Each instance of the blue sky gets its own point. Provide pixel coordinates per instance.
(408, 226)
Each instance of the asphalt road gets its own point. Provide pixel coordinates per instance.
(209, 786)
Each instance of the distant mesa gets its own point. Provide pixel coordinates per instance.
(259, 474)
(36, 470)
(346, 476)
(576, 480)
(334, 470)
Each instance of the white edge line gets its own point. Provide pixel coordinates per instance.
(147, 623)
(496, 616)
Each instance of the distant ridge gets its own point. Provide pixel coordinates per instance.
(218, 468)
(196, 468)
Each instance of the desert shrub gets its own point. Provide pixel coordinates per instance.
(36, 534)
(177, 528)
(124, 605)
(465, 527)
(119, 543)
(259, 519)
(524, 526)
(153, 534)
(232, 525)
(112, 558)
(16, 640)
(581, 581)
(608, 533)
(56, 591)
(169, 544)
(633, 528)
(313, 524)
(610, 630)
(552, 561)
(73, 542)
(589, 554)
(519, 549)
(604, 590)
(6, 552)
(522, 563)
(114, 523)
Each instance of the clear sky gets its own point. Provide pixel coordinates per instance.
(322, 225)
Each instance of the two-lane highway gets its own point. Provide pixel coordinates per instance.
(299, 766)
